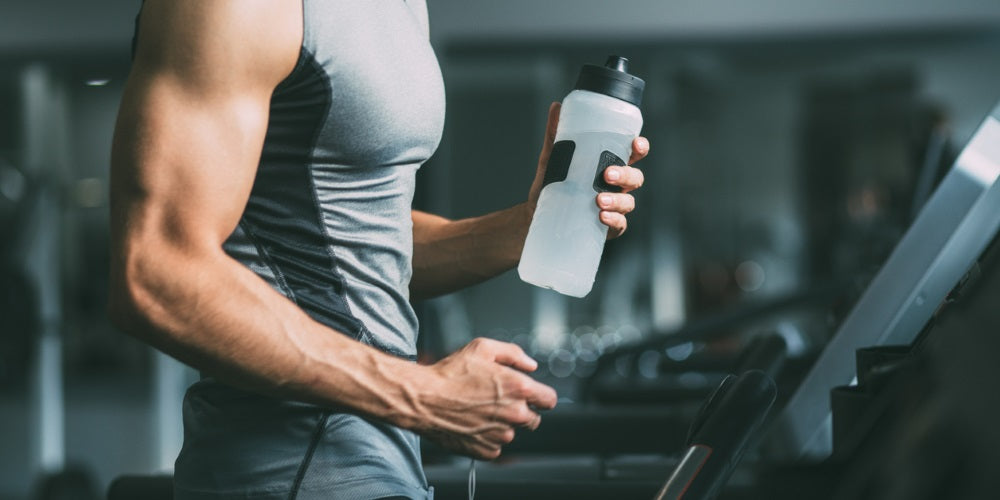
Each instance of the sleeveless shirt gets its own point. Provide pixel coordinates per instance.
(328, 221)
(328, 225)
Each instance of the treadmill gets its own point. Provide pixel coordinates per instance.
(944, 242)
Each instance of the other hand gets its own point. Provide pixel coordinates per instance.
(480, 397)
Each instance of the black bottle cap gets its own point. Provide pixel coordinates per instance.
(612, 79)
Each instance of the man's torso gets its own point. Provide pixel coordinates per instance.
(328, 225)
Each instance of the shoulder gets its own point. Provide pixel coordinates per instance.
(213, 42)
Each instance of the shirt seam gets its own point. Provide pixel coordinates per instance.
(265, 257)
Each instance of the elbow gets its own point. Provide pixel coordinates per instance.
(125, 310)
(132, 297)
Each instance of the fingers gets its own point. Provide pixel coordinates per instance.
(522, 393)
(628, 178)
(504, 353)
(519, 414)
(616, 202)
(534, 393)
(490, 373)
(488, 444)
(616, 222)
(483, 452)
(613, 207)
(640, 148)
(504, 400)
(488, 454)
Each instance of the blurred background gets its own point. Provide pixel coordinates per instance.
(792, 143)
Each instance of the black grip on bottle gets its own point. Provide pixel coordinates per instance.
(607, 159)
(557, 168)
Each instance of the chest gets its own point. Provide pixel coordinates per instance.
(385, 92)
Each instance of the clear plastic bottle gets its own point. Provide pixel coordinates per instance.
(598, 121)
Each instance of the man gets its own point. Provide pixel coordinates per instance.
(262, 174)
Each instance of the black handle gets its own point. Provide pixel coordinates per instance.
(766, 353)
(719, 436)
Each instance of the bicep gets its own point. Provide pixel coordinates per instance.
(183, 162)
(194, 115)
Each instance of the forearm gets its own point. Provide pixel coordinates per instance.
(451, 255)
(214, 314)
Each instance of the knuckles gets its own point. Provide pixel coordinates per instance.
(629, 177)
(525, 416)
(518, 415)
(517, 349)
(518, 387)
(640, 146)
(478, 344)
(628, 203)
(620, 202)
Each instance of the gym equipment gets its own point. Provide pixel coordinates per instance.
(710, 328)
(71, 483)
(643, 428)
(719, 436)
(950, 233)
(920, 422)
(144, 487)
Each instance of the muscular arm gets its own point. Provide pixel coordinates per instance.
(187, 142)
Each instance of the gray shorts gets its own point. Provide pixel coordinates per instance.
(240, 445)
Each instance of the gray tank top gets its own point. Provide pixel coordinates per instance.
(328, 221)
(328, 225)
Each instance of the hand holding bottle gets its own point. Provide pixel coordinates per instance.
(596, 127)
(626, 177)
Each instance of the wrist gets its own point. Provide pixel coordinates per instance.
(523, 215)
(408, 383)
(526, 211)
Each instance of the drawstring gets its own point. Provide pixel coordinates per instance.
(472, 479)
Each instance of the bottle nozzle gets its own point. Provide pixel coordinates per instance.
(612, 79)
(617, 63)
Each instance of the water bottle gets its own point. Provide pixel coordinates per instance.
(597, 123)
